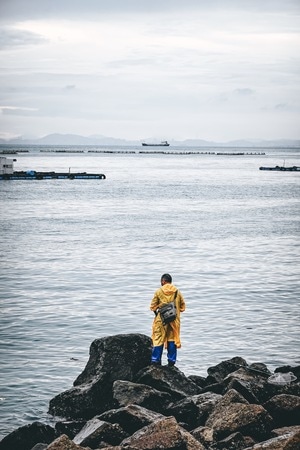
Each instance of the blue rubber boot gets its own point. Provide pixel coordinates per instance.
(172, 353)
(157, 354)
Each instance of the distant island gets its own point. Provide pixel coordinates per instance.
(75, 139)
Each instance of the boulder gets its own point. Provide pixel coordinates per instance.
(126, 393)
(288, 441)
(201, 382)
(235, 441)
(168, 379)
(205, 403)
(252, 420)
(122, 356)
(96, 431)
(216, 374)
(164, 433)
(284, 430)
(24, 438)
(193, 411)
(131, 418)
(204, 435)
(185, 411)
(252, 385)
(64, 443)
(70, 428)
(230, 416)
(285, 409)
(111, 358)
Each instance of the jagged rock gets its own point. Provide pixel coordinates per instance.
(64, 443)
(235, 441)
(216, 374)
(205, 403)
(168, 379)
(162, 434)
(185, 411)
(96, 431)
(271, 390)
(217, 388)
(289, 441)
(24, 438)
(244, 388)
(285, 409)
(250, 384)
(204, 435)
(193, 411)
(112, 358)
(70, 428)
(131, 418)
(249, 419)
(122, 356)
(284, 430)
(126, 393)
(201, 382)
(230, 417)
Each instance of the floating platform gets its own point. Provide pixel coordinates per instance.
(33, 175)
(282, 168)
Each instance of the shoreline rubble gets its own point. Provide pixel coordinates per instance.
(120, 402)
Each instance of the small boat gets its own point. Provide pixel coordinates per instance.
(161, 144)
(282, 168)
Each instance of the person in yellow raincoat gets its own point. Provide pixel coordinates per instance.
(167, 336)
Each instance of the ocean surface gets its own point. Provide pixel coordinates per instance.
(81, 259)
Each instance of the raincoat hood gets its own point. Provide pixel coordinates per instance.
(168, 289)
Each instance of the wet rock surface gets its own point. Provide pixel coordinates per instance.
(121, 402)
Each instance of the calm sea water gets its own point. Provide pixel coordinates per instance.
(81, 259)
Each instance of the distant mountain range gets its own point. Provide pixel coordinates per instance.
(74, 139)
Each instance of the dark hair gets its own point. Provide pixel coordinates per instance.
(166, 277)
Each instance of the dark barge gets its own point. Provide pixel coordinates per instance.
(282, 168)
(33, 175)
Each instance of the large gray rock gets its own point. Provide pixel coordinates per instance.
(193, 411)
(229, 417)
(285, 409)
(288, 441)
(64, 443)
(26, 437)
(168, 379)
(126, 393)
(112, 358)
(164, 433)
(121, 355)
(131, 418)
(96, 431)
(216, 374)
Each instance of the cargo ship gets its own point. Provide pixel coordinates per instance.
(161, 144)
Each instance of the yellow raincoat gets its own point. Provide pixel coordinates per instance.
(161, 334)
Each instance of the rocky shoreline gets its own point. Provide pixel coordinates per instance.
(120, 402)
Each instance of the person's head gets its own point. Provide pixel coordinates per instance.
(166, 278)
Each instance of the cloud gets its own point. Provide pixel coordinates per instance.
(11, 37)
(244, 92)
(17, 110)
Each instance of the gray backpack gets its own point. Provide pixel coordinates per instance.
(168, 311)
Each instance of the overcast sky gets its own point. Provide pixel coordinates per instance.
(133, 69)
